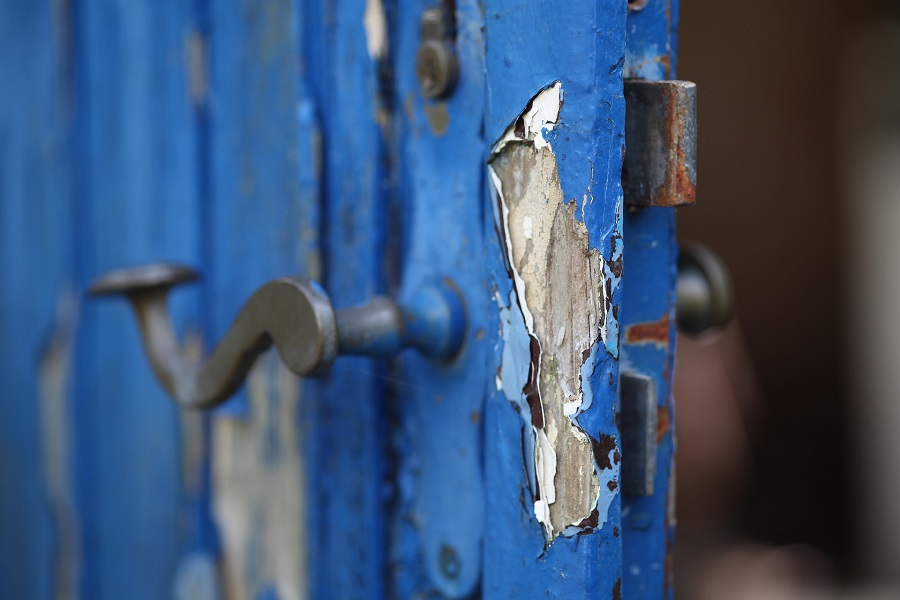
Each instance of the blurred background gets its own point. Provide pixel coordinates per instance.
(789, 457)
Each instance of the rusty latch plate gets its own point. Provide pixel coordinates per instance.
(660, 167)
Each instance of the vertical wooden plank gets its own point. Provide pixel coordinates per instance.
(438, 527)
(555, 115)
(345, 44)
(648, 325)
(437, 533)
(137, 202)
(263, 223)
(37, 301)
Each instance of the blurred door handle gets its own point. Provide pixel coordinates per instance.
(295, 315)
(705, 298)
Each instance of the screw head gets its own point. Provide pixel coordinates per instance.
(451, 566)
(436, 69)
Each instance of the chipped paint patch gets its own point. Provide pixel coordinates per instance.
(197, 578)
(258, 488)
(375, 24)
(550, 346)
(540, 116)
(438, 117)
(57, 445)
(195, 52)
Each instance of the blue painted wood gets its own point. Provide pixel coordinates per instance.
(530, 45)
(648, 323)
(264, 222)
(348, 469)
(136, 201)
(301, 131)
(36, 292)
(438, 527)
(263, 204)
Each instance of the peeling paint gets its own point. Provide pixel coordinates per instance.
(540, 116)
(195, 51)
(375, 24)
(438, 117)
(57, 445)
(259, 488)
(553, 323)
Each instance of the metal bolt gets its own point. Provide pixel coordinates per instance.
(436, 69)
(436, 64)
(450, 563)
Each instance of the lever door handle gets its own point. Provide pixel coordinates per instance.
(293, 314)
(705, 298)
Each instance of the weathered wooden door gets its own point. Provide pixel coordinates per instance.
(375, 146)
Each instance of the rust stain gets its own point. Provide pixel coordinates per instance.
(665, 142)
(666, 61)
(679, 188)
(602, 446)
(589, 523)
(663, 423)
(617, 590)
(653, 332)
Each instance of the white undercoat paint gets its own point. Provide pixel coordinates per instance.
(375, 25)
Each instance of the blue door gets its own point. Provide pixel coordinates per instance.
(378, 148)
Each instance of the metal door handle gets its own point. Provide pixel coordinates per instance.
(705, 298)
(295, 315)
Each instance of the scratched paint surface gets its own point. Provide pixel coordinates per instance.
(648, 327)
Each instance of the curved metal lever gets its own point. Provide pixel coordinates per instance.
(295, 315)
(705, 299)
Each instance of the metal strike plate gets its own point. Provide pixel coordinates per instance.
(637, 426)
(660, 166)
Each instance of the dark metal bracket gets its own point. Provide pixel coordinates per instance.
(638, 423)
(293, 314)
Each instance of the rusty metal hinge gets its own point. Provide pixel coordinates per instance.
(660, 167)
